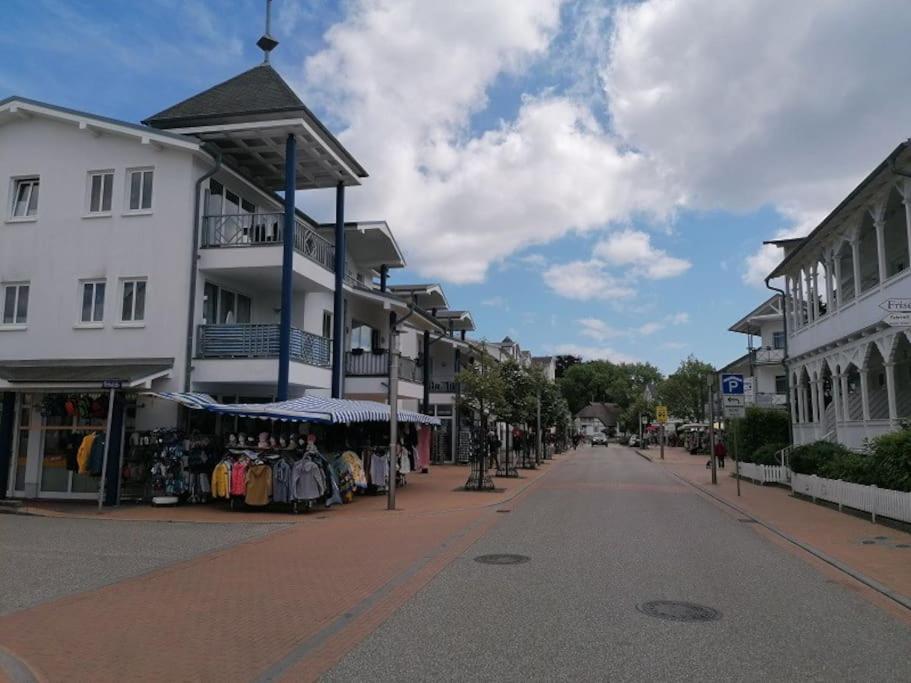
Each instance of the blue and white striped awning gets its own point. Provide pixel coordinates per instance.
(303, 409)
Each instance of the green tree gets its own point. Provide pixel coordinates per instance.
(685, 392)
(603, 381)
(564, 362)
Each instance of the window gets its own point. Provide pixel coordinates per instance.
(101, 186)
(25, 198)
(224, 307)
(93, 301)
(777, 340)
(15, 304)
(327, 324)
(781, 384)
(140, 189)
(133, 299)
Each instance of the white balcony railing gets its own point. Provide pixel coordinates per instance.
(768, 355)
(265, 229)
(260, 341)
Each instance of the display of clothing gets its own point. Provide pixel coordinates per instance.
(84, 453)
(307, 480)
(239, 477)
(281, 481)
(356, 467)
(379, 469)
(96, 456)
(258, 484)
(221, 480)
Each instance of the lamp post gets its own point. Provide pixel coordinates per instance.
(711, 382)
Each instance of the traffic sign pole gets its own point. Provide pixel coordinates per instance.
(662, 442)
(736, 464)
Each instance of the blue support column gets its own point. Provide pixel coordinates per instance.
(7, 420)
(284, 337)
(338, 308)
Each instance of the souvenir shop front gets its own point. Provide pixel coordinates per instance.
(287, 456)
(60, 424)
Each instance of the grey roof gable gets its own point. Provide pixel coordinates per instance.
(257, 90)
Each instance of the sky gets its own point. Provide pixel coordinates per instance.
(584, 176)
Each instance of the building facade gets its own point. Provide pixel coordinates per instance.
(847, 291)
(765, 376)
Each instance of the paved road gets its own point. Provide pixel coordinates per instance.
(42, 558)
(606, 532)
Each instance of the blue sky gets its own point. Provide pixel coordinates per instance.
(581, 175)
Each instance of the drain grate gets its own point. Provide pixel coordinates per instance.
(678, 611)
(504, 511)
(502, 558)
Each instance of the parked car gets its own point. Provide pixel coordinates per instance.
(599, 440)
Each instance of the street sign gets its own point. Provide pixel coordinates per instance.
(898, 319)
(727, 401)
(661, 414)
(111, 384)
(748, 385)
(735, 411)
(896, 305)
(731, 384)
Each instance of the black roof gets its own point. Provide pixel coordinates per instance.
(256, 91)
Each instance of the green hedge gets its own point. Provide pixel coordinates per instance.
(887, 462)
(766, 455)
(762, 428)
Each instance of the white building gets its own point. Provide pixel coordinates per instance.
(154, 256)
(597, 419)
(849, 363)
(763, 364)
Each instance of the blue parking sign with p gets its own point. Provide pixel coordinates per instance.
(731, 384)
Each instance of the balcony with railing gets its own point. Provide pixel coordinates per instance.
(265, 230)
(767, 355)
(260, 341)
(443, 385)
(769, 400)
(365, 363)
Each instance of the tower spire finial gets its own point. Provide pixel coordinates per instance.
(266, 42)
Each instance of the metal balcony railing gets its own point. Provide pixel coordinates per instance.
(376, 364)
(443, 386)
(768, 355)
(260, 341)
(265, 229)
(764, 400)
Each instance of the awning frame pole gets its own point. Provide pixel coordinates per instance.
(107, 446)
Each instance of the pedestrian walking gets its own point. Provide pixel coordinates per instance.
(493, 447)
(721, 453)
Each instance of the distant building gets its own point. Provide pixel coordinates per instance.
(548, 364)
(762, 365)
(597, 418)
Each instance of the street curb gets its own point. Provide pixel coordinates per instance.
(883, 590)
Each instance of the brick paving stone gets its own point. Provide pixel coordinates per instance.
(837, 534)
(232, 614)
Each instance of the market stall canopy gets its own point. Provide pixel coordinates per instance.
(303, 409)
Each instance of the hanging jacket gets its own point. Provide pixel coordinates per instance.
(221, 480)
(259, 484)
(84, 452)
(239, 478)
(306, 480)
(281, 481)
(96, 457)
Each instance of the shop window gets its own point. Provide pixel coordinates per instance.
(15, 303)
(133, 300)
(100, 189)
(139, 189)
(25, 197)
(92, 301)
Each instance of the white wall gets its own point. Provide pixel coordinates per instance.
(61, 247)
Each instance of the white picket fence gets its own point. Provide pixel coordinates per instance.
(872, 499)
(764, 474)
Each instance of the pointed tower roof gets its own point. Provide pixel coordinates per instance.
(257, 91)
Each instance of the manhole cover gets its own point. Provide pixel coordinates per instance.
(678, 611)
(502, 559)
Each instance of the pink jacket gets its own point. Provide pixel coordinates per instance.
(239, 478)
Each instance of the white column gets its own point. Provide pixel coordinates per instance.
(906, 200)
(880, 226)
(814, 289)
(814, 400)
(789, 302)
(845, 402)
(801, 404)
(864, 397)
(792, 400)
(836, 398)
(855, 261)
(890, 391)
(839, 297)
(830, 290)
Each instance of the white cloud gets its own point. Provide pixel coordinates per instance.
(532, 259)
(404, 78)
(594, 353)
(496, 302)
(678, 318)
(763, 261)
(634, 248)
(597, 329)
(760, 102)
(650, 328)
(585, 280)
